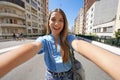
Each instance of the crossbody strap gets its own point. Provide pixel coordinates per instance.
(72, 57)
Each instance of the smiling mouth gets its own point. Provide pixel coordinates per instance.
(56, 28)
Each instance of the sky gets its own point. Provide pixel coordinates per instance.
(70, 7)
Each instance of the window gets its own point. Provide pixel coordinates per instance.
(10, 20)
(104, 29)
(91, 21)
(91, 15)
(27, 1)
(5, 10)
(0, 9)
(34, 24)
(39, 8)
(29, 31)
(29, 23)
(27, 7)
(35, 31)
(14, 11)
(38, 2)
(15, 21)
(33, 4)
(7, 21)
(92, 9)
(110, 29)
(28, 16)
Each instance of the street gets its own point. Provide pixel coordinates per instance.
(34, 69)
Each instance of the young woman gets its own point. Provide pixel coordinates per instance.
(56, 46)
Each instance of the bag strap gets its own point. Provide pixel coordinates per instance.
(72, 57)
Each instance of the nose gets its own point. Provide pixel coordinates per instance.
(57, 22)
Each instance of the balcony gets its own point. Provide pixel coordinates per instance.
(13, 25)
(34, 4)
(12, 15)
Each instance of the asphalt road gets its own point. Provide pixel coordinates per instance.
(34, 69)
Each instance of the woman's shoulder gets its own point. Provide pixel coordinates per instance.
(71, 35)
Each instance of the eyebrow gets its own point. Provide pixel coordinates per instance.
(55, 17)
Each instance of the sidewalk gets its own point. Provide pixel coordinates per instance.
(110, 48)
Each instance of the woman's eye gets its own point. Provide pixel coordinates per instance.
(52, 19)
(61, 20)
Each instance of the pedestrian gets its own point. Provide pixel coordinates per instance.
(21, 36)
(14, 36)
(56, 46)
(17, 36)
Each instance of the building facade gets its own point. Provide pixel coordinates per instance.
(87, 5)
(23, 16)
(78, 27)
(81, 16)
(117, 20)
(12, 17)
(89, 20)
(101, 17)
(105, 17)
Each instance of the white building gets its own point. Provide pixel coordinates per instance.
(81, 20)
(117, 22)
(90, 19)
(78, 27)
(101, 17)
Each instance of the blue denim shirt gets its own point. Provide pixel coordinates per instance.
(52, 55)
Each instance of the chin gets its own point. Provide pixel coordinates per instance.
(56, 33)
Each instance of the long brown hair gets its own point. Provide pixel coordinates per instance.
(63, 35)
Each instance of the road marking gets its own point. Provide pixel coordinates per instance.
(7, 49)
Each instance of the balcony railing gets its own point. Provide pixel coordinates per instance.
(12, 15)
(33, 4)
(12, 25)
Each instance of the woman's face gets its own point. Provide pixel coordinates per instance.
(56, 23)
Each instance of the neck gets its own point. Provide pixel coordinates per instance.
(55, 36)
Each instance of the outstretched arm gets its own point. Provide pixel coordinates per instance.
(104, 59)
(13, 58)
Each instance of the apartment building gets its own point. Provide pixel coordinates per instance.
(80, 22)
(101, 18)
(105, 17)
(89, 19)
(81, 16)
(12, 17)
(78, 27)
(117, 21)
(87, 6)
(36, 14)
(23, 16)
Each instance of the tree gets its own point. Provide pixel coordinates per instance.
(117, 35)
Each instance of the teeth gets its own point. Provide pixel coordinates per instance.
(56, 28)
